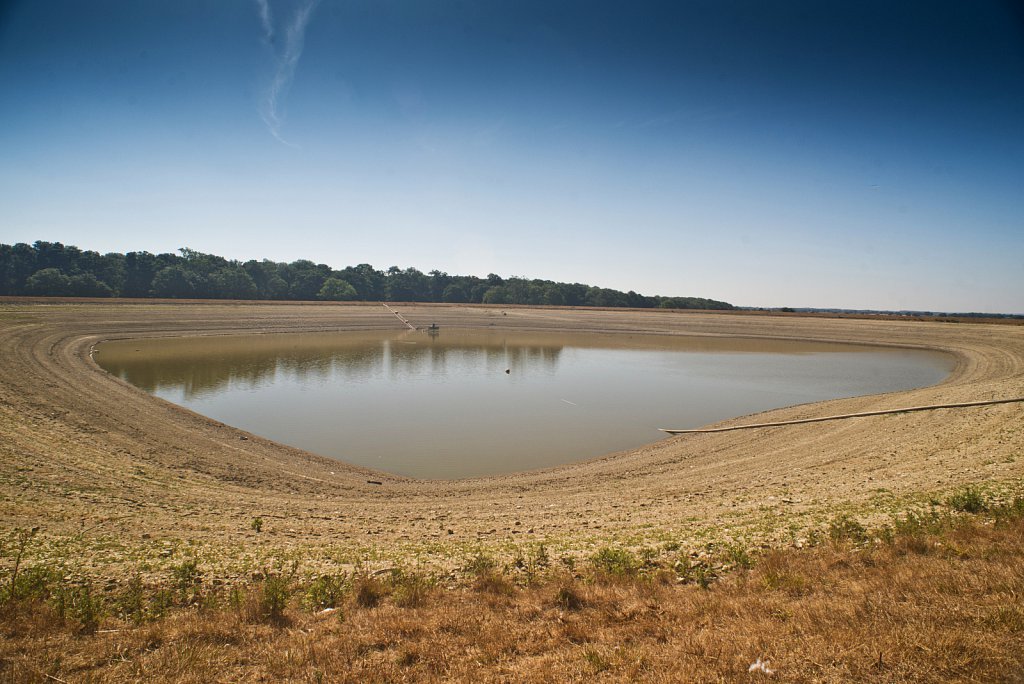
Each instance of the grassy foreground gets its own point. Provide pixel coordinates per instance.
(931, 596)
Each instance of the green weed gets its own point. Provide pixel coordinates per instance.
(615, 562)
(326, 591)
(967, 500)
(845, 528)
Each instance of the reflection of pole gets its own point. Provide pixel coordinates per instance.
(400, 317)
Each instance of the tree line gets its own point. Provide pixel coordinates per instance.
(51, 269)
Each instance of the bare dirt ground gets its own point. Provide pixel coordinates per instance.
(115, 478)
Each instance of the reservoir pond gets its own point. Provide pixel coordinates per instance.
(466, 403)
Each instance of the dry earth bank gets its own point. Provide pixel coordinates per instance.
(117, 480)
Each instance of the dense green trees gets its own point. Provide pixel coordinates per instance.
(53, 269)
(48, 282)
(336, 289)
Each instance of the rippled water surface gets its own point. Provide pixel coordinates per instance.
(467, 403)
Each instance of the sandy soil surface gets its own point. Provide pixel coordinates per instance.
(117, 479)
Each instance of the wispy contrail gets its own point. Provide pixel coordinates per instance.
(287, 58)
(266, 19)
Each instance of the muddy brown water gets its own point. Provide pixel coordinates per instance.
(466, 403)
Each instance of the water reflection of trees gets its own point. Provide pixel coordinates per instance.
(197, 373)
(440, 356)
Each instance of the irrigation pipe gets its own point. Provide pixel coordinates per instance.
(846, 415)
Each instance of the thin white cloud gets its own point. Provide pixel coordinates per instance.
(266, 19)
(286, 61)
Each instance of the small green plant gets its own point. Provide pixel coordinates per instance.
(967, 500)
(704, 575)
(487, 576)
(273, 598)
(919, 523)
(236, 598)
(16, 590)
(615, 562)
(79, 604)
(326, 591)
(88, 610)
(690, 572)
(257, 524)
(162, 601)
(738, 556)
(131, 603)
(187, 580)
(480, 564)
(31, 584)
(845, 528)
(533, 563)
(1008, 512)
(541, 556)
(683, 568)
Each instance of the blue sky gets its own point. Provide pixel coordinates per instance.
(799, 153)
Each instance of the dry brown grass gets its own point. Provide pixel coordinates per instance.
(937, 601)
